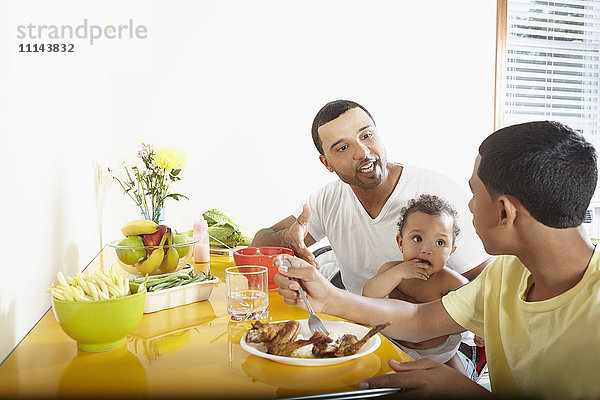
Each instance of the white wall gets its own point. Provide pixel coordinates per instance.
(235, 85)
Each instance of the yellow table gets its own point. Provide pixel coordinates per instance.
(192, 350)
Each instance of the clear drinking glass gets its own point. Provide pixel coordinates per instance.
(247, 292)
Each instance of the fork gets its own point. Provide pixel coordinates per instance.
(314, 323)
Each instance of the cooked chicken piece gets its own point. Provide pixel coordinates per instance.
(324, 348)
(287, 333)
(280, 339)
(274, 333)
(344, 345)
(286, 349)
(263, 332)
(349, 344)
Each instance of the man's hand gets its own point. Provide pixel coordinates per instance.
(317, 288)
(295, 234)
(427, 379)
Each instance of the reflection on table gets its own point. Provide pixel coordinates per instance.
(191, 350)
(102, 373)
(168, 332)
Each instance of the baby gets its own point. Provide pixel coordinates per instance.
(426, 234)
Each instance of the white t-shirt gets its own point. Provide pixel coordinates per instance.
(363, 244)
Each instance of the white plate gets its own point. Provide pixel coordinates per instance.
(338, 328)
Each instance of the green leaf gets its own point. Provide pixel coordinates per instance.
(214, 217)
(176, 196)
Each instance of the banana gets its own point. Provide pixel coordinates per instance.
(139, 227)
(152, 263)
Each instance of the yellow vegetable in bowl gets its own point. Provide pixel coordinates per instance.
(99, 286)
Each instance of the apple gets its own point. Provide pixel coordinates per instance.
(179, 238)
(131, 256)
(153, 239)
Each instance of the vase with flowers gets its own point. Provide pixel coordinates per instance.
(149, 185)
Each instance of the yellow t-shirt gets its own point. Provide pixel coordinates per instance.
(547, 349)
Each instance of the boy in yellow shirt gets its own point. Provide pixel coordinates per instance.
(537, 305)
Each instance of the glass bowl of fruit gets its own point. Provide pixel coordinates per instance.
(149, 248)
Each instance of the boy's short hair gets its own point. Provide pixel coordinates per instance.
(547, 166)
(431, 205)
(329, 112)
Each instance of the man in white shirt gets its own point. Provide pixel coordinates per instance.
(358, 213)
(536, 305)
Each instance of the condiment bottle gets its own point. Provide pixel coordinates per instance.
(201, 248)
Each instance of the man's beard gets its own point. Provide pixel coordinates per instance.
(366, 183)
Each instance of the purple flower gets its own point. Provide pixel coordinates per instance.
(144, 150)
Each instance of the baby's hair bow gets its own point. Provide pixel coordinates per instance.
(428, 196)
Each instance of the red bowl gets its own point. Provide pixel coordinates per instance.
(249, 256)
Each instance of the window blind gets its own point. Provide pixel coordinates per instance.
(552, 64)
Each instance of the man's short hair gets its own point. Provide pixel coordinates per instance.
(329, 112)
(547, 166)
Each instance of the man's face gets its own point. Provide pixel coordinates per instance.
(353, 149)
(428, 239)
(485, 214)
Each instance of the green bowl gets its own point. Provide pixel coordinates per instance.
(100, 325)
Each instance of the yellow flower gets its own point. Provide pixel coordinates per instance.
(168, 158)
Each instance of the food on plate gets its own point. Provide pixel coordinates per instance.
(166, 281)
(139, 227)
(274, 333)
(325, 348)
(279, 338)
(349, 344)
(99, 286)
(131, 256)
(223, 232)
(288, 349)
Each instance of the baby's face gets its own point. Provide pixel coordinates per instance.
(428, 239)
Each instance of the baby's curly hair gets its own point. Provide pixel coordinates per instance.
(431, 205)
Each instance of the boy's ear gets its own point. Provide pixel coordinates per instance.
(399, 241)
(453, 249)
(325, 162)
(508, 210)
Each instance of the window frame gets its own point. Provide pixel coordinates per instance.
(501, 34)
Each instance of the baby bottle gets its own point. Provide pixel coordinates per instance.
(201, 248)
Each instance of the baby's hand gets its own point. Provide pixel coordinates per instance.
(412, 269)
(479, 342)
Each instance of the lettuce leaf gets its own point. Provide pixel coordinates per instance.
(223, 231)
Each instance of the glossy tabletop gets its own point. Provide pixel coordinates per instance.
(191, 350)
